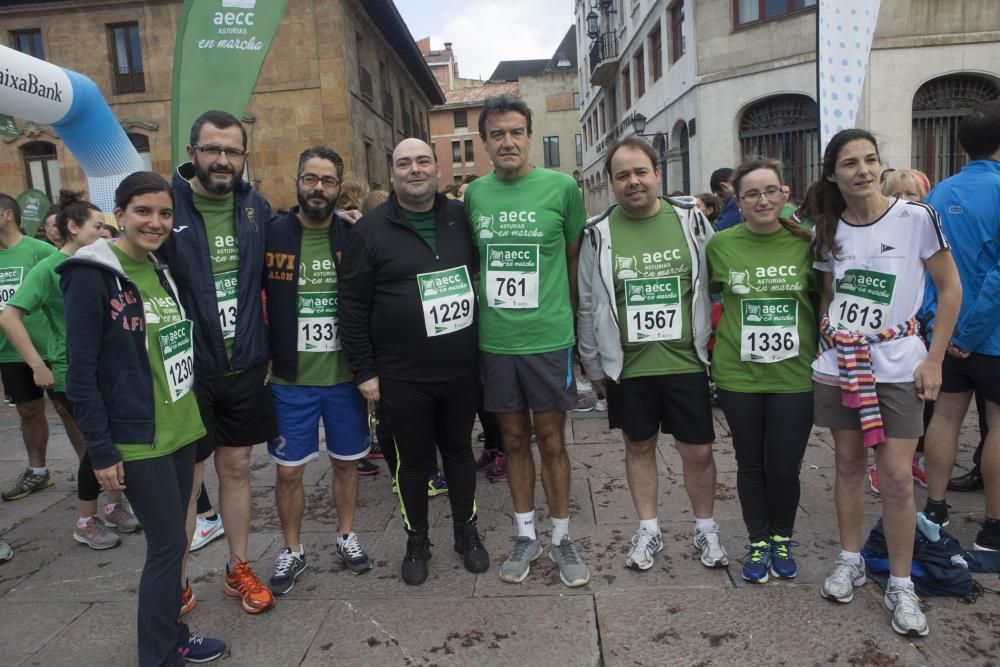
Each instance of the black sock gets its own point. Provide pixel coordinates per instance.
(214, 516)
(991, 526)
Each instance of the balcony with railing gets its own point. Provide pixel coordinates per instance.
(604, 59)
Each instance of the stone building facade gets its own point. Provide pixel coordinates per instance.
(345, 74)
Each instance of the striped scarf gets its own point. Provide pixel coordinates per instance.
(857, 378)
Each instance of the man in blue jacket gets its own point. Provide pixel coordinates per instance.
(969, 206)
(216, 254)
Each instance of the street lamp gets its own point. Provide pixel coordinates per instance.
(593, 29)
(638, 123)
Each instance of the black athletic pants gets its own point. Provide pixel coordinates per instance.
(421, 414)
(491, 427)
(770, 434)
(159, 490)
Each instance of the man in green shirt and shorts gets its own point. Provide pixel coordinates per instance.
(527, 223)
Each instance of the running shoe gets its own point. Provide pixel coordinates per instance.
(970, 481)
(6, 553)
(583, 404)
(470, 546)
(26, 484)
(481, 437)
(518, 564)
(375, 452)
(418, 552)
(242, 582)
(919, 474)
(188, 600)
(352, 554)
(713, 554)
(757, 561)
(986, 542)
(583, 385)
(907, 617)
(498, 471)
(936, 512)
(206, 530)
(436, 485)
(287, 568)
(121, 517)
(572, 570)
(873, 479)
(366, 468)
(645, 545)
(485, 460)
(96, 535)
(840, 585)
(200, 649)
(601, 405)
(782, 564)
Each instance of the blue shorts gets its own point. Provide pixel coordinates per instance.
(345, 420)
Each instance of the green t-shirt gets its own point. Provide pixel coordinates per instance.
(766, 340)
(40, 293)
(15, 264)
(651, 269)
(426, 225)
(225, 256)
(787, 211)
(178, 421)
(522, 227)
(320, 361)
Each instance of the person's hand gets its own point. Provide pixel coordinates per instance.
(113, 478)
(600, 387)
(350, 217)
(956, 351)
(369, 389)
(43, 377)
(928, 380)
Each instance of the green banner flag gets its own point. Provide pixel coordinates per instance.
(8, 127)
(221, 45)
(34, 207)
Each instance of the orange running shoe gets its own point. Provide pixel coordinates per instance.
(242, 582)
(188, 600)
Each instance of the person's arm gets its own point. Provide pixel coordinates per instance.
(586, 337)
(12, 322)
(981, 320)
(572, 265)
(354, 302)
(941, 267)
(826, 292)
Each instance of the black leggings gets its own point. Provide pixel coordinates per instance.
(491, 427)
(770, 434)
(159, 490)
(204, 502)
(87, 486)
(422, 414)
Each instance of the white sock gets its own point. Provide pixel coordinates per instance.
(343, 538)
(899, 582)
(300, 551)
(42, 472)
(652, 525)
(82, 522)
(560, 529)
(850, 556)
(525, 524)
(704, 524)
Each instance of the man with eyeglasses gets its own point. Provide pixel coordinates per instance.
(216, 255)
(310, 376)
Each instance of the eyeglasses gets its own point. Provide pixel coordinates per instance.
(214, 151)
(772, 192)
(310, 180)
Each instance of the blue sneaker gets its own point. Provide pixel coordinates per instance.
(756, 562)
(201, 649)
(436, 484)
(782, 564)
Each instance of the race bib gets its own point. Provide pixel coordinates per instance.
(653, 309)
(447, 300)
(318, 331)
(769, 330)
(512, 276)
(10, 281)
(861, 300)
(178, 358)
(225, 294)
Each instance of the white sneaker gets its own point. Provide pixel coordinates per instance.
(645, 544)
(583, 385)
(713, 554)
(907, 617)
(601, 405)
(205, 531)
(840, 585)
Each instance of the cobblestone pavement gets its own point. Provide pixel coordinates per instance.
(64, 604)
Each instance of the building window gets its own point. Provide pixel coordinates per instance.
(677, 31)
(938, 107)
(579, 149)
(656, 53)
(41, 166)
(626, 92)
(461, 118)
(470, 155)
(126, 54)
(551, 147)
(784, 128)
(752, 11)
(639, 64)
(681, 140)
(576, 100)
(456, 152)
(28, 41)
(141, 143)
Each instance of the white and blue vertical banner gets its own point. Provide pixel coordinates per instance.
(845, 29)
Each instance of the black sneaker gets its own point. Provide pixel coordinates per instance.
(201, 649)
(366, 468)
(936, 512)
(986, 541)
(970, 481)
(287, 568)
(470, 546)
(418, 552)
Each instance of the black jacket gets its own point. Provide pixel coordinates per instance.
(186, 252)
(379, 311)
(281, 279)
(109, 381)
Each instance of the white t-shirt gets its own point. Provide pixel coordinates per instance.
(879, 282)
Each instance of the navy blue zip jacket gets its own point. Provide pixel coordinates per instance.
(109, 381)
(186, 252)
(281, 280)
(378, 305)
